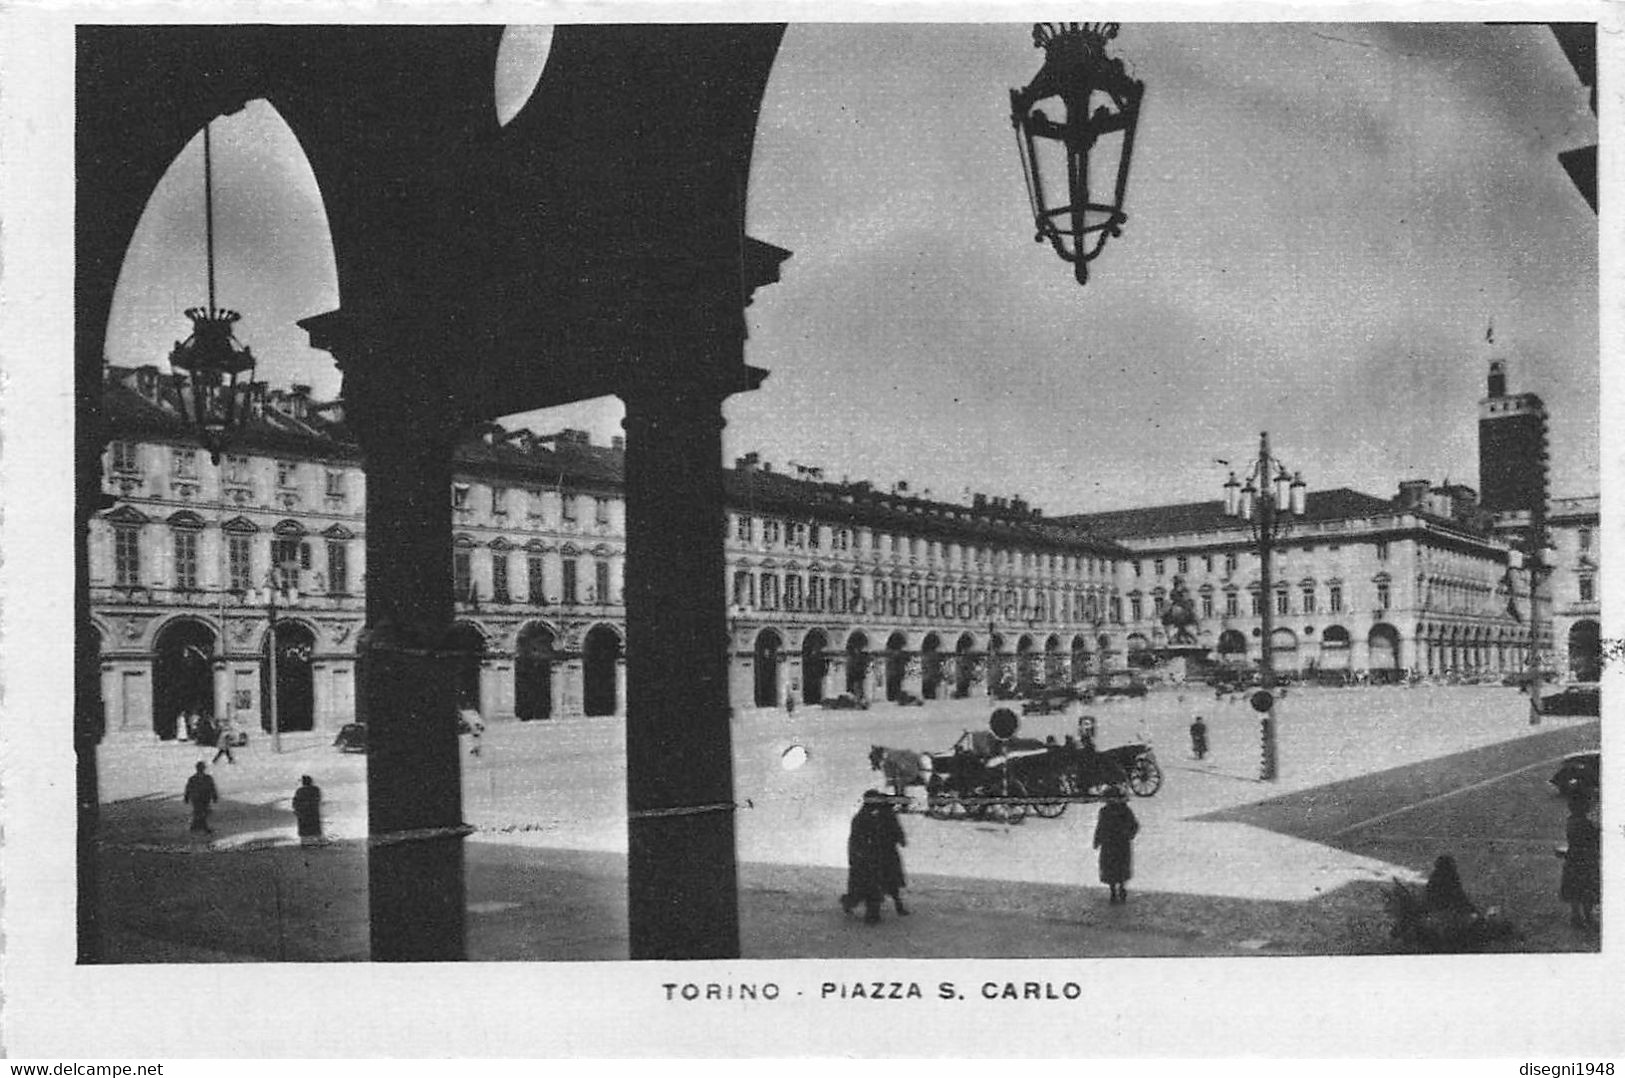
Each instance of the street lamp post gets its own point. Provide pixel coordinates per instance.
(1268, 502)
(277, 586)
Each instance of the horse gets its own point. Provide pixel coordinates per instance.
(902, 767)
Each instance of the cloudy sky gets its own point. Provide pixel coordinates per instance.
(1325, 221)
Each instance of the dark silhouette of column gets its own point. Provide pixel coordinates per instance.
(404, 419)
(681, 867)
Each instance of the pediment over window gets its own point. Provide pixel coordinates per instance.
(291, 528)
(537, 546)
(127, 514)
(239, 526)
(464, 542)
(500, 543)
(184, 518)
(337, 531)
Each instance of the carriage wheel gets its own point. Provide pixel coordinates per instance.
(1011, 802)
(1145, 777)
(1050, 803)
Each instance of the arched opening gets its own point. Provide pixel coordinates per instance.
(1233, 646)
(814, 666)
(1027, 665)
(468, 643)
(768, 654)
(896, 665)
(964, 665)
(1140, 655)
(857, 666)
(999, 675)
(1382, 645)
(1585, 651)
(1080, 658)
(1334, 648)
(295, 707)
(1284, 650)
(1054, 662)
(930, 666)
(600, 663)
(182, 675)
(533, 673)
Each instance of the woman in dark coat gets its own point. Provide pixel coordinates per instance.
(874, 860)
(307, 811)
(1581, 885)
(1115, 829)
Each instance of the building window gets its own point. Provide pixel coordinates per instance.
(770, 533)
(1135, 608)
(462, 576)
(1137, 567)
(290, 554)
(287, 473)
(569, 581)
(536, 578)
(127, 556)
(1207, 606)
(240, 562)
(1334, 598)
(1258, 604)
(600, 512)
(499, 579)
(1383, 595)
(843, 539)
(499, 501)
(837, 594)
(1583, 536)
(770, 591)
(1230, 562)
(1159, 566)
(1232, 604)
(185, 463)
(1182, 564)
(1382, 550)
(335, 484)
(185, 560)
(792, 591)
(797, 538)
(741, 588)
(535, 510)
(459, 496)
(1588, 589)
(125, 457)
(815, 593)
(1207, 563)
(1117, 609)
(742, 529)
(338, 568)
(1308, 600)
(600, 582)
(567, 508)
(237, 469)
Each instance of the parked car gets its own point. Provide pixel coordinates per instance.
(1574, 700)
(352, 737)
(1580, 771)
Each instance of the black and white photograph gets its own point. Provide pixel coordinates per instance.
(882, 521)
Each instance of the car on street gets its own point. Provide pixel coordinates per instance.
(1573, 700)
(1580, 772)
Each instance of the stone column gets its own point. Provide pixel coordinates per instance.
(398, 403)
(682, 882)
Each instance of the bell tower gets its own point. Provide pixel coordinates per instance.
(1512, 447)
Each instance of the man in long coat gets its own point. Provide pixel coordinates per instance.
(1115, 829)
(201, 794)
(874, 859)
(307, 811)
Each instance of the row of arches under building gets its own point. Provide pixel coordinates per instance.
(549, 679)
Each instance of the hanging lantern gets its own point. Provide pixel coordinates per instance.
(212, 389)
(1075, 150)
(210, 361)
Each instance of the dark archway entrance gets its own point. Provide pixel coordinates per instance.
(1383, 645)
(182, 675)
(1027, 665)
(1054, 662)
(964, 665)
(533, 673)
(1232, 646)
(600, 660)
(295, 684)
(1001, 681)
(896, 664)
(814, 667)
(931, 666)
(1585, 651)
(469, 644)
(857, 666)
(767, 655)
(1334, 648)
(1080, 658)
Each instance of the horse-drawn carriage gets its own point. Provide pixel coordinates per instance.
(987, 777)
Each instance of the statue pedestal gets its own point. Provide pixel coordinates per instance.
(1180, 662)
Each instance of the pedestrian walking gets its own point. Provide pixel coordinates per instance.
(223, 743)
(1115, 829)
(307, 811)
(1199, 738)
(201, 794)
(1581, 882)
(874, 858)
